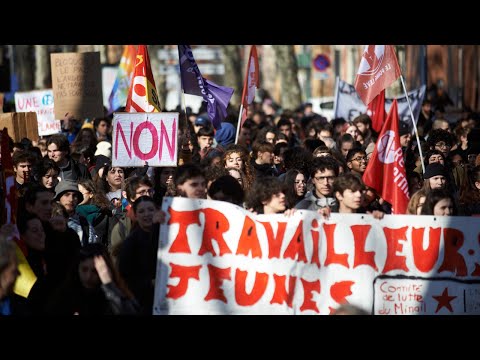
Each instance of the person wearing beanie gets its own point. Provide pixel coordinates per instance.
(435, 176)
(225, 135)
(67, 186)
(100, 162)
(201, 122)
(104, 148)
(69, 196)
(405, 134)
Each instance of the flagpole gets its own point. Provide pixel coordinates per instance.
(239, 123)
(186, 129)
(414, 125)
(337, 79)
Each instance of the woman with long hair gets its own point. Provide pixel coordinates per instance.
(96, 208)
(137, 259)
(93, 287)
(86, 138)
(295, 187)
(470, 193)
(439, 202)
(236, 156)
(46, 173)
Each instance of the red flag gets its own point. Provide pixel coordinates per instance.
(386, 170)
(376, 111)
(378, 70)
(8, 182)
(252, 82)
(142, 95)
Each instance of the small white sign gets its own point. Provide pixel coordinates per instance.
(145, 137)
(41, 102)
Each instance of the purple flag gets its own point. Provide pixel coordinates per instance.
(193, 83)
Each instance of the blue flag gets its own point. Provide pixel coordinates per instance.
(193, 83)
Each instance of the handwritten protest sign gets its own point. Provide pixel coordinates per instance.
(77, 85)
(217, 258)
(140, 137)
(41, 102)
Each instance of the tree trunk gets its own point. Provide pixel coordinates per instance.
(102, 49)
(68, 48)
(233, 71)
(85, 48)
(291, 94)
(24, 63)
(42, 67)
(114, 53)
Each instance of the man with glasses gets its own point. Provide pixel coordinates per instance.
(441, 140)
(357, 161)
(323, 172)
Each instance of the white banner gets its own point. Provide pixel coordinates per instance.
(217, 258)
(349, 105)
(140, 137)
(41, 102)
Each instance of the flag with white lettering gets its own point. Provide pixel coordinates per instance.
(142, 95)
(217, 97)
(252, 82)
(386, 169)
(378, 70)
(348, 104)
(118, 96)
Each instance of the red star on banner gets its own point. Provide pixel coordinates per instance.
(444, 300)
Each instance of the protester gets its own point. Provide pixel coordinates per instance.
(135, 187)
(58, 149)
(324, 171)
(295, 187)
(137, 260)
(10, 303)
(439, 202)
(93, 287)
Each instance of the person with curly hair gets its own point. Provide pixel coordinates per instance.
(237, 156)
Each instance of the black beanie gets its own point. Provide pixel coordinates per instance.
(403, 128)
(434, 169)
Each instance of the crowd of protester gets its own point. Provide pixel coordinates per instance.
(89, 230)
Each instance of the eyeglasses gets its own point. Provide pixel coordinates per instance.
(145, 192)
(443, 145)
(322, 178)
(359, 159)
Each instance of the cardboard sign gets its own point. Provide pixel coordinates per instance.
(77, 85)
(140, 137)
(218, 258)
(20, 125)
(41, 102)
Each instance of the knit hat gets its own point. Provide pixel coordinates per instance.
(67, 185)
(225, 135)
(101, 161)
(403, 128)
(104, 148)
(202, 121)
(434, 169)
(87, 125)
